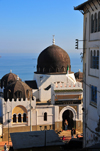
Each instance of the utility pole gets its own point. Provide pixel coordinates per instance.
(30, 112)
(8, 127)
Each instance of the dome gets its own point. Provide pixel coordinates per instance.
(17, 89)
(53, 59)
(7, 79)
(78, 75)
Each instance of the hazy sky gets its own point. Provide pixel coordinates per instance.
(28, 25)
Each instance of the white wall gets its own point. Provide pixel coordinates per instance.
(0, 107)
(40, 114)
(10, 105)
(90, 77)
(0, 129)
(43, 81)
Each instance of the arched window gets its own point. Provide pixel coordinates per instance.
(57, 70)
(19, 117)
(49, 69)
(92, 24)
(14, 118)
(99, 21)
(95, 23)
(28, 94)
(45, 116)
(3, 83)
(9, 94)
(18, 94)
(43, 69)
(24, 117)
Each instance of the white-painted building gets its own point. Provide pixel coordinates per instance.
(91, 71)
(55, 96)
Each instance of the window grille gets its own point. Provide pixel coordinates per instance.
(94, 94)
(94, 60)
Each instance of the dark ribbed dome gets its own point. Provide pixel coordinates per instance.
(78, 75)
(7, 79)
(17, 89)
(53, 59)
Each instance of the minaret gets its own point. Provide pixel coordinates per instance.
(53, 40)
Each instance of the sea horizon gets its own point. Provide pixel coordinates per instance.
(25, 64)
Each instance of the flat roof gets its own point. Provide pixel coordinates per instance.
(33, 139)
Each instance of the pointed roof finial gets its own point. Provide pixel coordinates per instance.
(53, 41)
(17, 77)
(10, 71)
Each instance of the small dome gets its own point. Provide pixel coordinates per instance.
(53, 59)
(78, 75)
(7, 79)
(17, 89)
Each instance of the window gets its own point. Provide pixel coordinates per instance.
(97, 59)
(24, 117)
(99, 21)
(92, 24)
(28, 94)
(9, 94)
(19, 117)
(95, 22)
(3, 83)
(57, 69)
(14, 118)
(94, 59)
(43, 69)
(45, 116)
(94, 94)
(91, 59)
(18, 94)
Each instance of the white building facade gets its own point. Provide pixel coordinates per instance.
(46, 102)
(91, 71)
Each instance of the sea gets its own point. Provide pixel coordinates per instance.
(25, 64)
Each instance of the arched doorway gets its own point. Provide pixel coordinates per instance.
(67, 115)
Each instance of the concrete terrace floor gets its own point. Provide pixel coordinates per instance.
(67, 135)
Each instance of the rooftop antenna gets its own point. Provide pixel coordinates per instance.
(53, 41)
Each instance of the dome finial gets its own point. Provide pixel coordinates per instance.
(10, 71)
(17, 77)
(53, 41)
